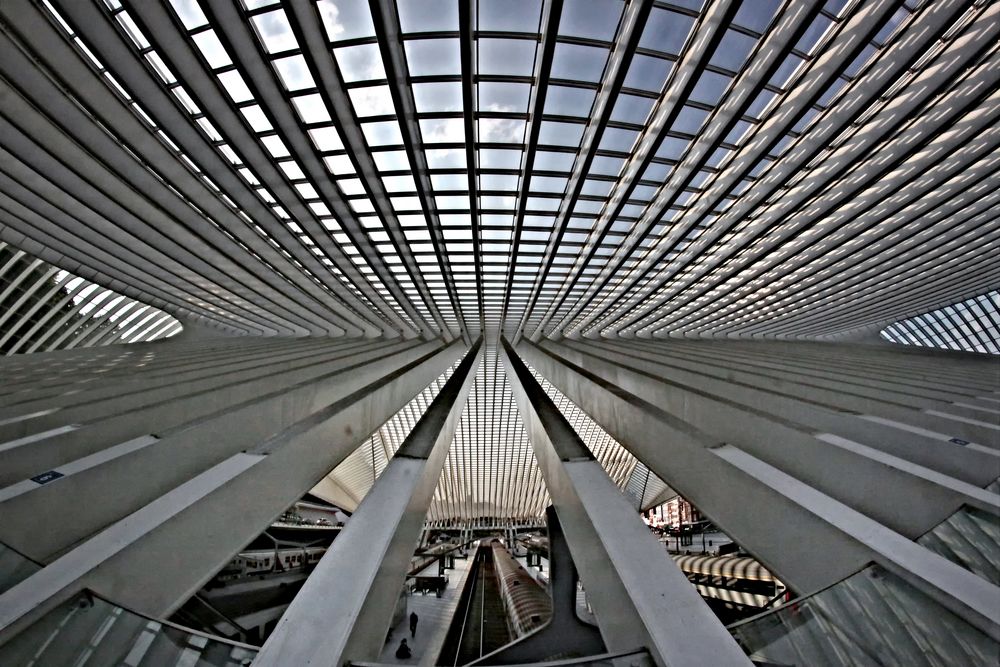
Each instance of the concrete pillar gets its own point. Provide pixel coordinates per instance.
(342, 614)
(131, 514)
(774, 508)
(639, 596)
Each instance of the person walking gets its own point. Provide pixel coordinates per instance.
(413, 624)
(403, 652)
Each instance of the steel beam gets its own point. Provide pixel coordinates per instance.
(809, 539)
(219, 503)
(343, 612)
(640, 597)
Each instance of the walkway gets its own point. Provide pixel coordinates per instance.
(434, 613)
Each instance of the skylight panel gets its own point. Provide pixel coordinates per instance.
(552, 161)
(631, 109)
(372, 101)
(360, 63)
(547, 184)
(275, 146)
(442, 130)
(392, 160)
(444, 158)
(306, 191)
(503, 96)
(384, 133)
(132, 30)
(211, 48)
(590, 19)
(294, 73)
(339, 165)
(791, 64)
(438, 96)
(569, 101)
(160, 68)
(667, 31)
(498, 158)
(813, 37)
(710, 88)
(509, 15)
(311, 108)
(403, 183)
(560, 134)
(433, 57)
(449, 181)
(235, 86)
(351, 186)
(647, 73)
(291, 169)
(512, 57)
(428, 15)
(346, 19)
(275, 32)
(256, 118)
(733, 51)
(501, 130)
(756, 15)
(185, 100)
(209, 129)
(326, 139)
(452, 202)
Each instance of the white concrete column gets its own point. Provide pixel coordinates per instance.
(343, 612)
(639, 596)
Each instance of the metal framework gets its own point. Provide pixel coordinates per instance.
(545, 168)
(335, 198)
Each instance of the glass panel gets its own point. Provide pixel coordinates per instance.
(275, 32)
(579, 63)
(429, 57)
(565, 101)
(346, 19)
(88, 629)
(871, 618)
(647, 73)
(971, 538)
(360, 63)
(294, 73)
(433, 97)
(506, 56)
(509, 15)
(666, 31)
(428, 15)
(593, 19)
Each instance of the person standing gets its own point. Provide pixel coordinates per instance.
(403, 652)
(413, 624)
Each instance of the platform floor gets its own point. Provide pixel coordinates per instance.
(434, 614)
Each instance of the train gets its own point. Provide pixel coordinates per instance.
(525, 602)
(266, 561)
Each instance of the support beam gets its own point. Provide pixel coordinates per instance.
(220, 513)
(565, 633)
(808, 538)
(343, 612)
(640, 597)
(907, 481)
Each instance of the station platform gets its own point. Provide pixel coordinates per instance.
(434, 614)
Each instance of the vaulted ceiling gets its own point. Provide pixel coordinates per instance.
(537, 168)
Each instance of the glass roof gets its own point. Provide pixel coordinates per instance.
(972, 325)
(44, 308)
(534, 168)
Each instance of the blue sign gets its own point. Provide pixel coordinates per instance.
(46, 477)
